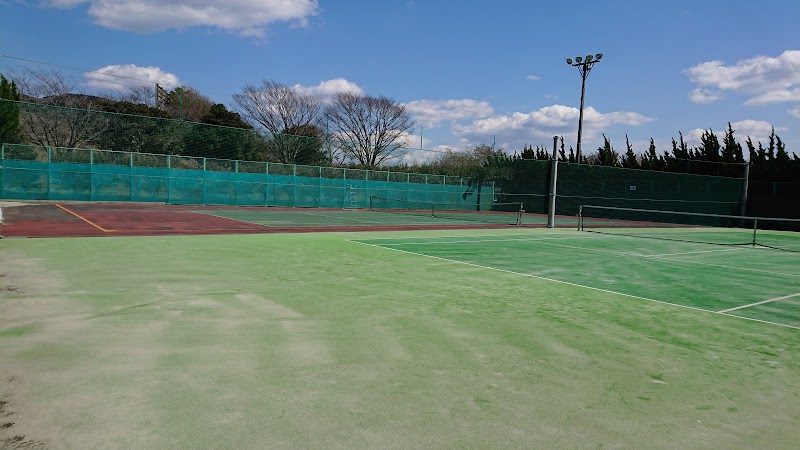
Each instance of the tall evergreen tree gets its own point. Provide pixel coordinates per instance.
(9, 111)
(771, 148)
(781, 156)
(527, 152)
(731, 150)
(562, 155)
(606, 155)
(751, 151)
(709, 147)
(650, 159)
(681, 151)
(630, 160)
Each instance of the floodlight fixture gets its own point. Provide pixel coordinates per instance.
(569, 60)
(599, 56)
(578, 59)
(589, 58)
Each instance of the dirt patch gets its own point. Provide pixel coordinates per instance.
(7, 204)
(10, 436)
(29, 304)
(269, 308)
(71, 376)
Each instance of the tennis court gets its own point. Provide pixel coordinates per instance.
(746, 282)
(57, 219)
(472, 337)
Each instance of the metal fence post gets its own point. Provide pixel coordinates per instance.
(551, 211)
(745, 187)
(169, 179)
(91, 174)
(130, 176)
(2, 175)
(49, 169)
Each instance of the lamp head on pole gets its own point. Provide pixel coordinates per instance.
(578, 59)
(569, 60)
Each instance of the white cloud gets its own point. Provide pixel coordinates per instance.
(431, 113)
(532, 77)
(63, 3)
(329, 88)
(757, 130)
(778, 96)
(520, 128)
(763, 79)
(701, 95)
(409, 140)
(795, 111)
(412, 153)
(122, 77)
(246, 17)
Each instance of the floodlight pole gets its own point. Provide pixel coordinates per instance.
(584, 67)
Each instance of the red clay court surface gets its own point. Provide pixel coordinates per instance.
(66, 219)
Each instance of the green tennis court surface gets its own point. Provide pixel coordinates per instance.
(523, 338)
(747, 282)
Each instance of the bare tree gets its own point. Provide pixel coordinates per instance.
(187, 103)
(368, 130)
(140, 94)
(58, 114)
(292, 118)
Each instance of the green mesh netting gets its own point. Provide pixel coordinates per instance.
(44, 173)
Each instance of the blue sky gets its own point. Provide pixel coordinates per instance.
(469, 72)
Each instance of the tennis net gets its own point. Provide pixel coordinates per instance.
(777, 233)
(494, 213)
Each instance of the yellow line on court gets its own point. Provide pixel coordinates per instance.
(86, 220)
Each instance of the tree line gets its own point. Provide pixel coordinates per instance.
(767, 162)
(271, 122)
(276, 123)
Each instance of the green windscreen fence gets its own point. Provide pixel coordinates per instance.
(528, 181)
(173, 161)
(46, 173)
(495, 213)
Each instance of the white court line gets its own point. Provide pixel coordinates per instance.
(563, 234)
(771, 272)
(638, 255)
(473, 241)
(340, 217)
(759, 303)
(611, 252)
(538, 277)
(229, 218)
(597, 250)
(692, 253)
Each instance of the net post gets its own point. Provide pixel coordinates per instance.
(580, 218)
(370, 202)
(755, 227)
(520, 212)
